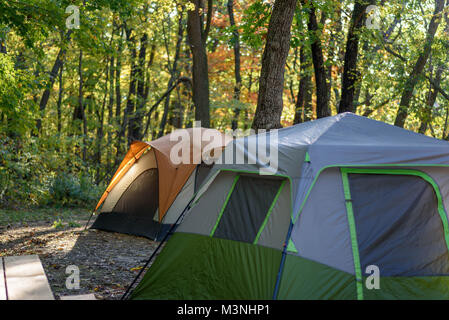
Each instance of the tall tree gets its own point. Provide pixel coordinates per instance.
(118, 98)
(197, 35)
(431, 99)
(140, 90)
(173, 69)
(350, 73)
(52, 78)
(237, 74)
(418, 68)
(434, 84)
(322, 92)
(303, 106)
(128, 117)
(81, 104)
(59, 103)
(271, 82)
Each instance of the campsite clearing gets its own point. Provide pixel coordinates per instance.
(108, 262)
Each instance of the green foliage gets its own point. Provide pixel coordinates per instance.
(58, 224)
(70, 190)
(39, 174)
(255, 24)
(48, 167)
(15, 84)
(32, 19)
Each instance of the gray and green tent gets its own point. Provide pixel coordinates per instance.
(349, 193)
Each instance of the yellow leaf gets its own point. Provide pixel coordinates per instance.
(136, 268)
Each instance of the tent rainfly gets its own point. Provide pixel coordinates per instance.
(358, 209)
(148, 191)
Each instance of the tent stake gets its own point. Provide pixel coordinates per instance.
(169, 232)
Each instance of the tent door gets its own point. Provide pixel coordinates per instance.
(397, 223)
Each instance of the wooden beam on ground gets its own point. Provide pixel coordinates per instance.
(2, 281)
(25, 279)
(89, 296)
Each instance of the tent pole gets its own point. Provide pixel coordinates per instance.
(90, 217)
(169, 232)
(281, 266)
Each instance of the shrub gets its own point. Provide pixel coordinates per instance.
(72, 191)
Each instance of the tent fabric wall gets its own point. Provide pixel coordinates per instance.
(193, 266)
(183, 197)
(201, 173)
(304, 279)
(321, 231)
(195, 221)
(176, 174)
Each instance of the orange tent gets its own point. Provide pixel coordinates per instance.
(173, 159)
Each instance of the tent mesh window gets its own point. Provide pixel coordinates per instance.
(398, 225)
(247, 208)
(141, 199)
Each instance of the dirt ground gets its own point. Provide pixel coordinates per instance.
(108, 262)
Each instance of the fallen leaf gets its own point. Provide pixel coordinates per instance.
(136, 268)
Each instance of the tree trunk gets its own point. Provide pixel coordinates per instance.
(433, 90)
(271, 82)
(100, 128)
(110, 119)
(146, 90)
(413, 79)
(128, 119)
(81, 104)
(58, 106)
(431, 99)
(350, 73)
(197, 42)
(54, 72)
(304, 100)
(46, 95)
(322, 98)
(238, 77)
(174, 74)
(3, 44)
(118, 105)
(140, 93)
(333, 51)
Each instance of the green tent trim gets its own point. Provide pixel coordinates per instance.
(353, 234)
(291, 247)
